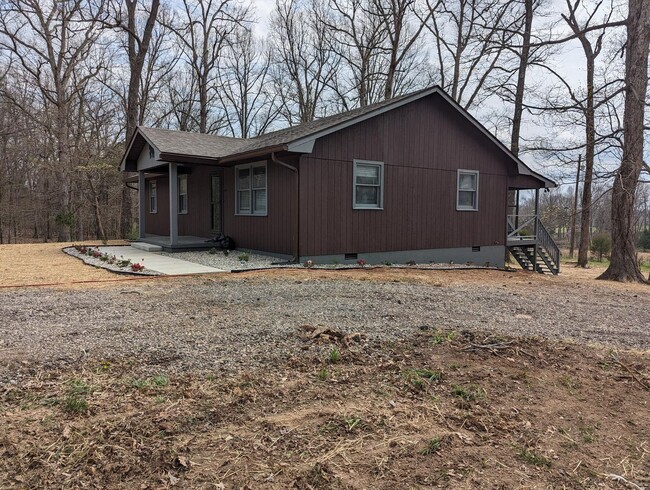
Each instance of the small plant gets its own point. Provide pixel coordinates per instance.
(469, 393)
(309, 264)
(442, 338)
(531, 457)
(137, 267)
(335, 355)
(96, 253)
(140, 383)
(160, 381)
(411, 263)
(226, 252)
(432, 446)
(361, 262)
(387, 263)
(75, 399)
(122, 262)
(75, 404)
(335, 262)
(244, 257)
(323, 374)
(351, 422)
(421, 378)
(213, 251)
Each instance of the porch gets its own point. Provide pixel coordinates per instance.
(529, 241)
(180, 243)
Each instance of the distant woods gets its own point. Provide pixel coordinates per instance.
(78, 76)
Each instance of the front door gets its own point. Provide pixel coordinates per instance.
(215, 204)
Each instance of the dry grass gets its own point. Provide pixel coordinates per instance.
(46, 263)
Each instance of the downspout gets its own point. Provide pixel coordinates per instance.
(274, 159)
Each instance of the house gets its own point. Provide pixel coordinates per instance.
(413, 178)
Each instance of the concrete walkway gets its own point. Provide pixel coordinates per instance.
(159, 263)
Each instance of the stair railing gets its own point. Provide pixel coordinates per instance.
(545, 240)
(517, 223)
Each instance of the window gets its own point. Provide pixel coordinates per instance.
(251, 189)
(182, 194)
(368, 191)
(467, 196)
(153, 197)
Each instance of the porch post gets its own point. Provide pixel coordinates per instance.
(173, 204)
(143, 203)
(536, 228)
(516, 209)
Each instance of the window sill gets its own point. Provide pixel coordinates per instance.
(466, 209)
(361, 208)
(253, 215)
(153, 212)
(183, 212)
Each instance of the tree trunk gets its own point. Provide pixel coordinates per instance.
(585, 215)
(521, 79)
(137, 52)
(624, 265)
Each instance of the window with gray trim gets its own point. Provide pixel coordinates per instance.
(153, 197)
(467, 190)
(368, 185)
(251, 185)
(182, 194)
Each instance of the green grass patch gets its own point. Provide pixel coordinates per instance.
(469, 392)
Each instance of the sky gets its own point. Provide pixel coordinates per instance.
(569, 61)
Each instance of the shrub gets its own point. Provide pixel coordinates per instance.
(361, 262)
(644, 239)
(244, 257)
(601, 245)
(137, 267)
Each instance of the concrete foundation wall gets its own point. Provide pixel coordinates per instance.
(492, 255)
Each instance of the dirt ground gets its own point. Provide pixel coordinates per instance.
(432, 407)
(440, 410)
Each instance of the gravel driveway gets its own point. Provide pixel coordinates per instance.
(216, 324)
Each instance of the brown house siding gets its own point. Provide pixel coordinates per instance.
(275, 232)
(158, 223)
(197, 221)
(422, 145)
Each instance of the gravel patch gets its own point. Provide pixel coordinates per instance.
(222, 325)
(233, 261)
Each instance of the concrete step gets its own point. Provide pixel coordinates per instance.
(147, 247)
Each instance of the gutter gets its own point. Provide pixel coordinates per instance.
(275, 159)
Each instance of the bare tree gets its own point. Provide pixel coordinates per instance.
(624, 265)
(592, 50)
(403, 28)
(204, 29)
(470, 39)
(303, 63)
(127, 18)
(249, 105)
(51, 43)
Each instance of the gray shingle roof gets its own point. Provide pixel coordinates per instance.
(212, 146)
(192, 144)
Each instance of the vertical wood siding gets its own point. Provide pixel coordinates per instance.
(274, 233)
(197, 221)
(158, 223)
(422, 145)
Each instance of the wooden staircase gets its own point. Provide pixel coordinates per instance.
(534, 252)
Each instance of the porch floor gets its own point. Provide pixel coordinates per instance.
(184, 242)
